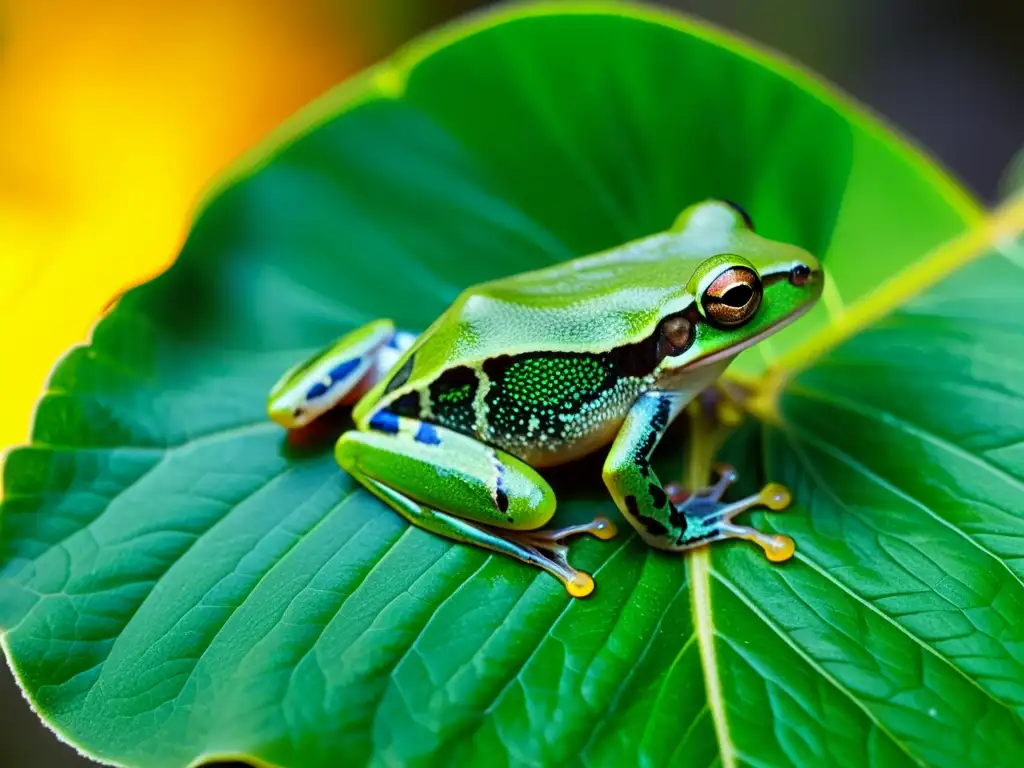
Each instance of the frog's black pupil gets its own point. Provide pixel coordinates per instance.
(746, 216)
(737, 296)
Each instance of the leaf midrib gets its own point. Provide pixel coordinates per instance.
(704, 629)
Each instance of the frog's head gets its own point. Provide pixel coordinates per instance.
(743, 288)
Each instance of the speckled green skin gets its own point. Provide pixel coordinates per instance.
(541, 368)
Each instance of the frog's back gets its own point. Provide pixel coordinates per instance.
(592, 304)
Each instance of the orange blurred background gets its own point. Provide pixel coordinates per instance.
(115, 115)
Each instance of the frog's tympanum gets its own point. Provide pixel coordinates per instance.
(541, 368)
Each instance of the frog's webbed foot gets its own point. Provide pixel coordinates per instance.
(710, 519)
(551, 553)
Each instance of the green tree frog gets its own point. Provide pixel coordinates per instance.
(541, 368)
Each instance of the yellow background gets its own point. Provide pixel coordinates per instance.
(115, 114)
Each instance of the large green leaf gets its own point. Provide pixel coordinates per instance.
(178, 582)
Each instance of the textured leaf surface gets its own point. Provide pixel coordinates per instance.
(178, 582)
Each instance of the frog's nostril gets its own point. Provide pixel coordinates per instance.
(800, 274)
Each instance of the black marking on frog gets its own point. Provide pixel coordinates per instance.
(654, 528)
(545, 398)
(501, 500)
(710, 535)
(401, 376)
(657, 424)
(742, 212)
(631, 506)
(407, 405)
(639, 359)
(642, 357)
(451, 399)
(677, 520)
(658, 497)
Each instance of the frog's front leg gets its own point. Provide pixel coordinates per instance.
(667, 521)
(452, 485)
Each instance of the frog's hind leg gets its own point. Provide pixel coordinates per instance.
(456, 487)
(339, 374)
(577, 583)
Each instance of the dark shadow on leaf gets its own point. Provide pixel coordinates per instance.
(318, 436)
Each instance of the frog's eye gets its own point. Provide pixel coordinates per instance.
(733, 297)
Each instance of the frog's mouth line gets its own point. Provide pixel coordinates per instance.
(771, 329)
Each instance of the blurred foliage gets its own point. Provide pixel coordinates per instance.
(1013, 180)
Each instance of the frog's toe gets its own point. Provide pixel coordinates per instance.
(581, 585)
(551, 556)
(600, 528)
(727, 475)
(777, 547)
(677, 493)
(603, 528)
(775, 496)
(550, 553)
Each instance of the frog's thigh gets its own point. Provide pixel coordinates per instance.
(449, 471)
